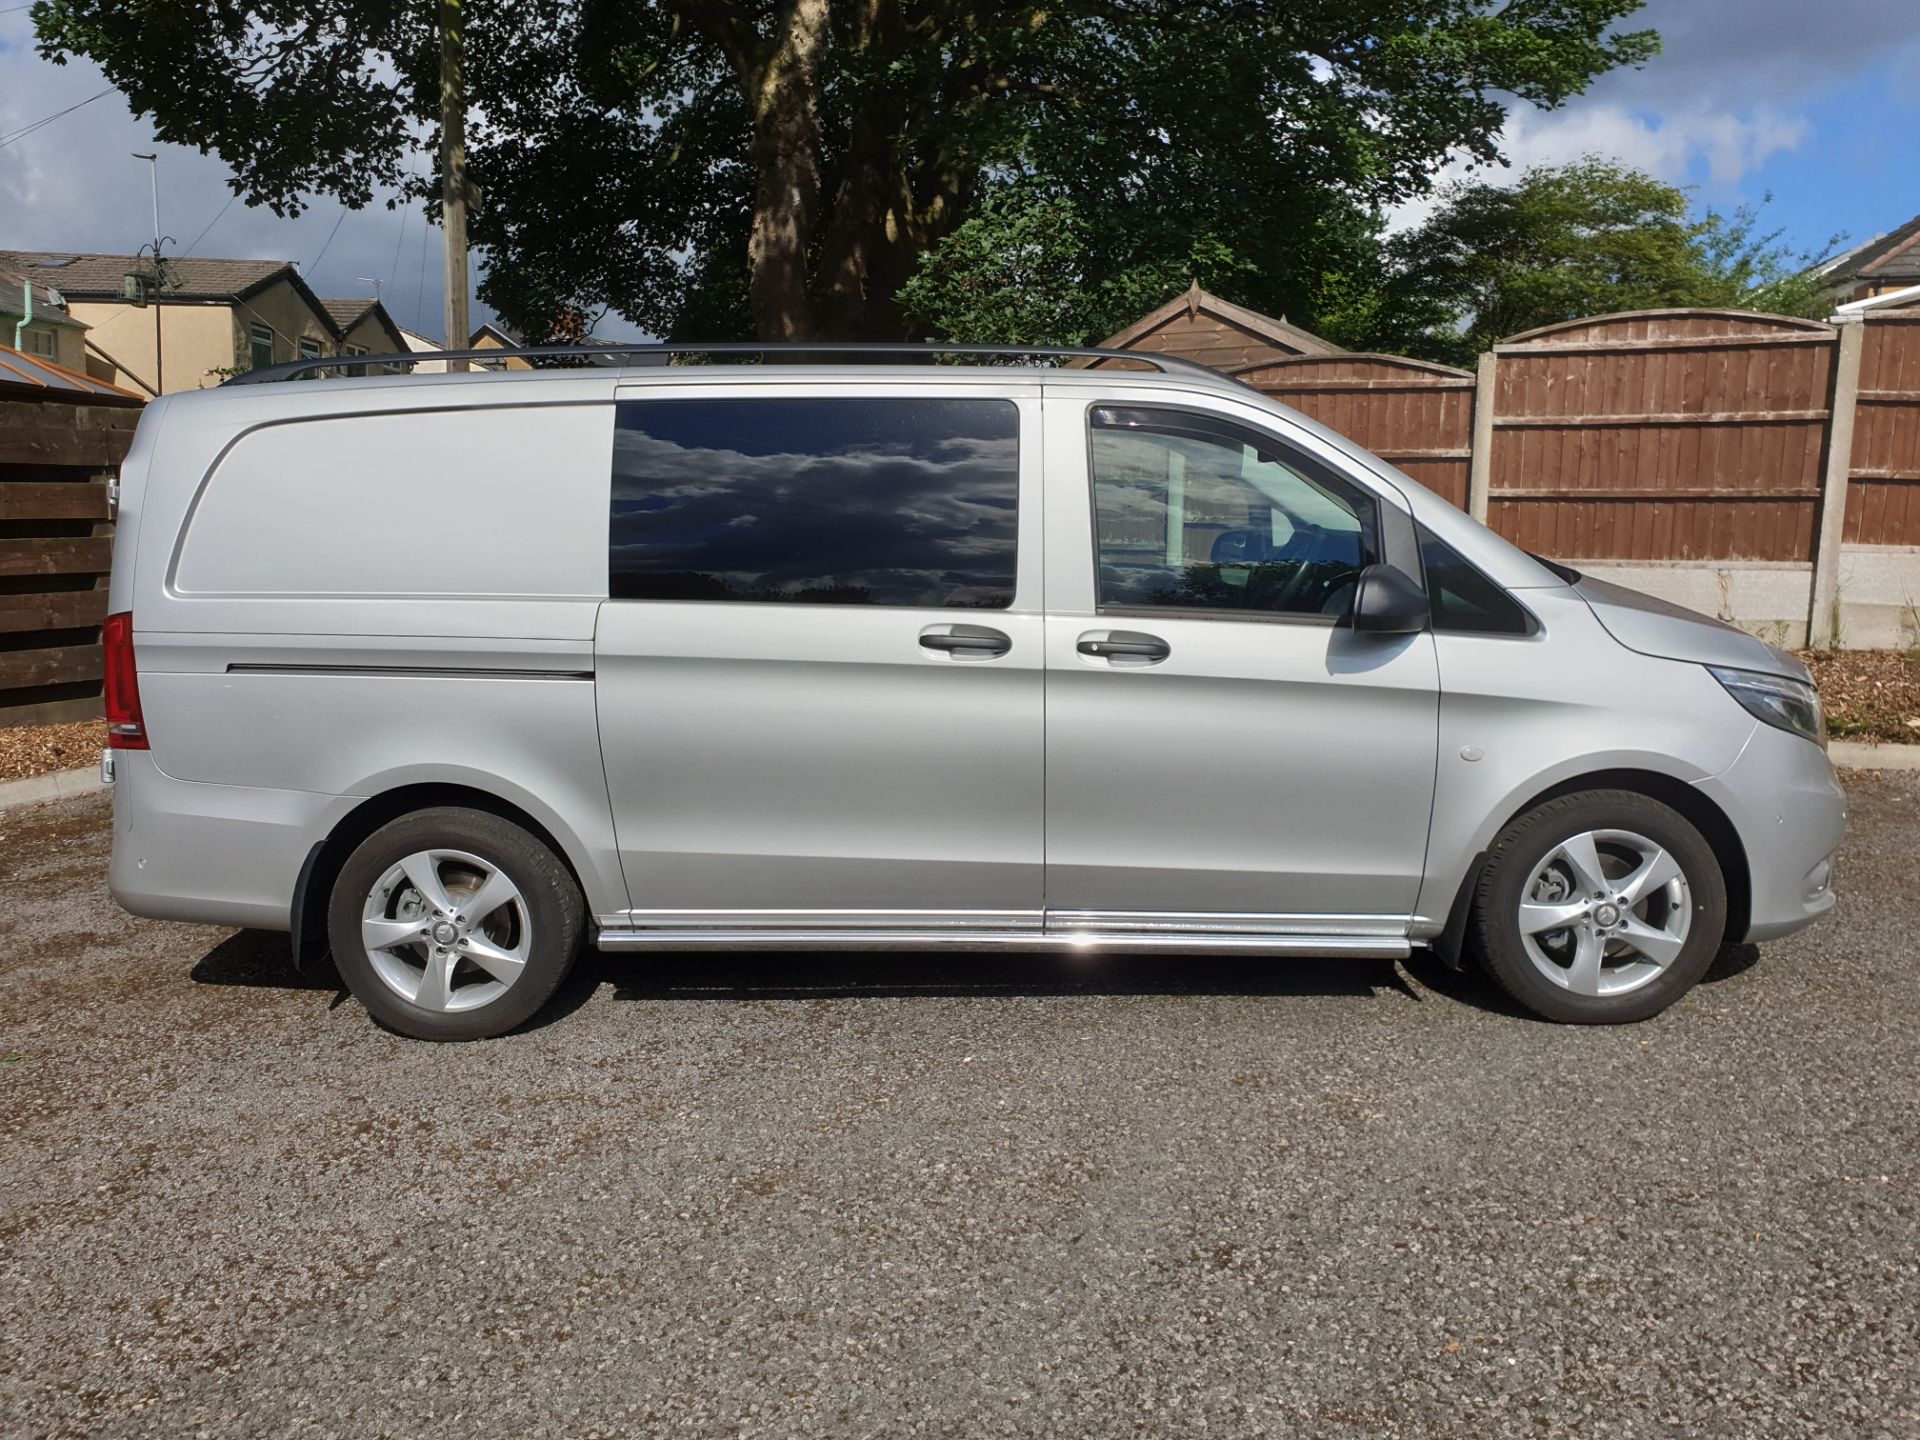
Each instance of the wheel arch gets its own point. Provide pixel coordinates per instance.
(324, 861)
(1687, 800)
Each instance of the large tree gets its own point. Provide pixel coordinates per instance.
(780, 166)
(1566, 241)
(1031, 266)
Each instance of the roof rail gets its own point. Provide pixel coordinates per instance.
(783, 351)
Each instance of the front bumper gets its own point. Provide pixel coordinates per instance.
(1791, 815)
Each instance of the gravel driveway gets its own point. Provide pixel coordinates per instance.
(901, 1196)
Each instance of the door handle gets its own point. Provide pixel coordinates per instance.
(1137, 647)
(967, 637)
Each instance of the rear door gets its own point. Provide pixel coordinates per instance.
(819, 671)
(1223, 753)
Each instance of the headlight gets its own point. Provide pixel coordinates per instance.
(1789, 704)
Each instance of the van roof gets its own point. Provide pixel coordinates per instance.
(489, 387)
(789, 359)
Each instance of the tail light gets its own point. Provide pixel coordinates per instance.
(126, 726)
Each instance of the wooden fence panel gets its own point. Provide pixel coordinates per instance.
(40, 433)
(54, 501)
(1662, 435)
(1417, 415)
(1883, 487)
(80, 555)
(62, 666)
(57, 454)
(1711, 436)
(62, 610)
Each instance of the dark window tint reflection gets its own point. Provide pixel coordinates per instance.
(824, 501)
(1465, 601)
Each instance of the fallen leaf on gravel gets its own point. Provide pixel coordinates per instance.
(1869, 694)
(27, 750)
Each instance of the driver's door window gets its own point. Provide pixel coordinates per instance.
(1195, 513)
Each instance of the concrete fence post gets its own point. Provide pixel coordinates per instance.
(1823, 623)
(1480, 464)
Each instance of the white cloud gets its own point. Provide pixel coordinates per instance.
(1722, 54)
(1675, 146)
(1669, 146)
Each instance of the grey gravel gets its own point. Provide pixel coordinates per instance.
(894, 1196)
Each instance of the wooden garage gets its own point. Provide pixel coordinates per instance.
(1203, 327)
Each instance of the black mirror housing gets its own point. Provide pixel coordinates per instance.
(1388, 601)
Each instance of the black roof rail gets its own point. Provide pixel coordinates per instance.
(782, 350)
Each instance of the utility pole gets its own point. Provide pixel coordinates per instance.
(159, 275)
(453, 173)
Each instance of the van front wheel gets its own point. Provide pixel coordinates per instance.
(1600, 908)
(454, 924)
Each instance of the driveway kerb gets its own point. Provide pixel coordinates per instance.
(1865, 755)
(56, 786)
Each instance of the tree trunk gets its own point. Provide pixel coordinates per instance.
(875, 233)
(785, 154)
(856, 227)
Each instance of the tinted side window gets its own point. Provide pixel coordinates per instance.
(1193, 513)
(821, 501)
(1465, 601)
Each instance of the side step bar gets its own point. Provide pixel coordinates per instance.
(1353, 947)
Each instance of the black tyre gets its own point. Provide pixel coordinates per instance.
(454, 924)
(1600, 908)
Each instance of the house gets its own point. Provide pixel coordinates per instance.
(1203, 327)
(29, 375)
(365, 327)
(1905, 298)
(419, 344)
(34, 320)
(492, 336)
(1885, 263)
(200, 319)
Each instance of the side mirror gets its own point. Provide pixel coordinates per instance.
(1240, 547)
(1387, 601)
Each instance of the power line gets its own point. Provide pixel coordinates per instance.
(420, 280)
(314, 269)
(26, 130)
(398, 241)
(209, 226)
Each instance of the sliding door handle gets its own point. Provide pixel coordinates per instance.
(967, 641)
(1133, 647)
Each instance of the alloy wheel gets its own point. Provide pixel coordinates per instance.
(1605, 912)
(446, 930)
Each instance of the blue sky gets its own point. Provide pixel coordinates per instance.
(1858, 168)
(1817, 103)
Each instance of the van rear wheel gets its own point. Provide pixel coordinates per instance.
(1600, 908)
(454, 924)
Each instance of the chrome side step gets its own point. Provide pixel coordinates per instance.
(1352, 947)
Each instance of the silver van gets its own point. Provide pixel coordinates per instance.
(451, 674)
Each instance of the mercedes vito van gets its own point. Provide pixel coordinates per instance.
(453, 674)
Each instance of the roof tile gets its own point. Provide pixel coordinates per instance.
(88, 276)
